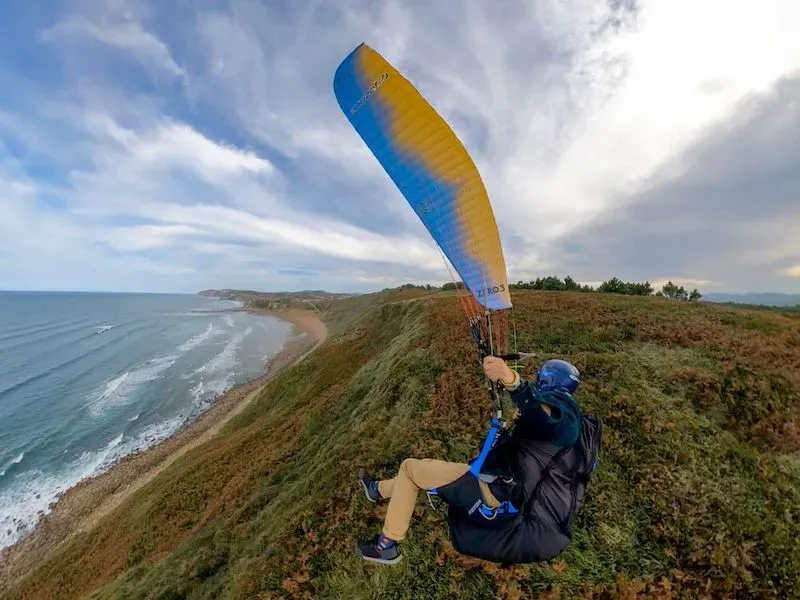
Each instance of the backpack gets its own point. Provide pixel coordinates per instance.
(553, 496)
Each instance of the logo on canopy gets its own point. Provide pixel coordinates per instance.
(372, 89)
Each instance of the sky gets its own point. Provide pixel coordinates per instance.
(192, 144)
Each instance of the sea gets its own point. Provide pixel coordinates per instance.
(88, 378)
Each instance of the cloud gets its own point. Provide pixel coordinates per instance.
(130, 170)
(196, 145)
(724, 213)
(148, 237)
(170, 145)
(689, 283)
(514, 123)
(330, 238)
(633, 100)
(127, 36)
(792, 271)
(160, 268)
(133, 170)
(298, 272)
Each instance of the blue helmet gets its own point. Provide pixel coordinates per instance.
(557, 374)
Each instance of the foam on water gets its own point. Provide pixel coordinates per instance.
(121, 390)
(203, 393)
(32, 493)
(113, 385)
(198, 339)
(16, 461)
(103, 328)
(156, 432)
(197, 392)
(217, 375)
(216, 387)
(226, 359)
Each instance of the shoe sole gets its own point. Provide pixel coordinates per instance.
(365, 488)
(383, 561)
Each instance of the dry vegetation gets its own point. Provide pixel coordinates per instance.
(697, 493)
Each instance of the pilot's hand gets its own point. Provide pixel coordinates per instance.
(496, 370)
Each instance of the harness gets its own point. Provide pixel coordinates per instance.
(497, 426)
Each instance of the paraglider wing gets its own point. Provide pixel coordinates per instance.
(429, 165)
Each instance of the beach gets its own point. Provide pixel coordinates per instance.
(85, 504)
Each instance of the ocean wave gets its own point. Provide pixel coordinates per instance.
(123, 416)
(16, 461)
(32, 492)
(30, 339)
(205, 392)
(218, 374)
(198, 339)
(226, 304)
(215, 388)
(74, 358)
(119, 391)
(197, 392)
(123, 336)
(49, 371)
(26, 330)
(226, 359)
(219, 306)
(113, 385)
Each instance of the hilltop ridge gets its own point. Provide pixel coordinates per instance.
(316, 300)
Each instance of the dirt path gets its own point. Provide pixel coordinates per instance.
(82, 507)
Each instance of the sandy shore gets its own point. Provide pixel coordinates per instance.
(82, 506)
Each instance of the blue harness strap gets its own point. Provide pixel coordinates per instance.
(491, 438)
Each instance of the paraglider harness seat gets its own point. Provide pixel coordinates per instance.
(540, 527)
(466, 491)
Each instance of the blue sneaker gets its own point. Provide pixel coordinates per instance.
(370, 485)
(380, 550)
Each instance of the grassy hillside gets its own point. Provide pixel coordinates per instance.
(697, 493)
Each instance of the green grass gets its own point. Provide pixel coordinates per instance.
(697, 493)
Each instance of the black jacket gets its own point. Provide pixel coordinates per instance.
(536, 436)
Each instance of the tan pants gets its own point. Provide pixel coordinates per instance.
(416, 475)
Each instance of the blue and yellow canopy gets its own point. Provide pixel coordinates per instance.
(429, 165)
